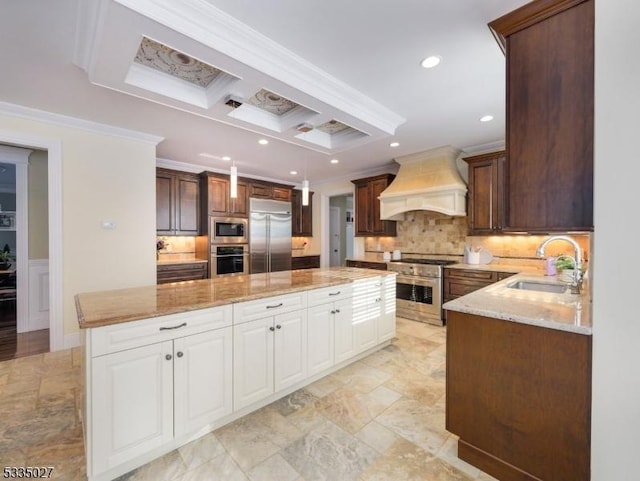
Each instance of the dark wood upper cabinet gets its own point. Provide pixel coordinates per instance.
(302, 215)
(549, 48)
(177, 203)
(216, 200)
(485, 206)
(268, 190)
(368, 222)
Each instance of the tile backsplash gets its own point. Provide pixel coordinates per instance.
(430, 233)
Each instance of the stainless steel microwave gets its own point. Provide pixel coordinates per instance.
(229, 230)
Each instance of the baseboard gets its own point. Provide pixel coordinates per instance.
(71, 340)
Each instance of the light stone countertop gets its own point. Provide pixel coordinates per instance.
(95, 309)
(564, 312)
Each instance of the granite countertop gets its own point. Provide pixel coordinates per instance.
(181, 261)
(564, 312)
(103, 308)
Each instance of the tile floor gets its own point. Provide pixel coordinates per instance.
(381, 418)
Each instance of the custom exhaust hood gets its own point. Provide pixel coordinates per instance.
(426, 180)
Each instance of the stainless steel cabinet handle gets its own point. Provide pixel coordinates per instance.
(184, 324)
(272, 328)
(168, 357)
(273, 307)
(334, 293)
(278, 326)
(179, 354)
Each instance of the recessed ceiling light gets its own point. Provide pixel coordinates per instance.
(226, 158)
(431, 62)
(394, 144)
(486, 118)
(263, 141)
(334, 161)
(294, 172)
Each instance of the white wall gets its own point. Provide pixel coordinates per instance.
(104, 177)
(616, 354)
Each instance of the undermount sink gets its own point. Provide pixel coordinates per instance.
(539, 286)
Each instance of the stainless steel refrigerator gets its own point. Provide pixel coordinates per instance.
(269, 235)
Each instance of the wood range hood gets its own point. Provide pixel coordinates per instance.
(427, 180)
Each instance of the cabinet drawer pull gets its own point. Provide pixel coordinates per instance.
(333, 312)
(278, 326)
(271, 328)
(184, 324)
(180, 354)
(273, 307)
(337, 310)
(168, 357)
(334, 293)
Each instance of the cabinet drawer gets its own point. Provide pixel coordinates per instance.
(488, 276)
(456, 288)
(270, 306)
(128, 335)
(381, 266)
(181, 272)
(329, 294)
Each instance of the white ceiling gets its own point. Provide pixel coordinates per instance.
(371, 48)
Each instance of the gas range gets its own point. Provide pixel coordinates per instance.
(419, 267)
(419, 289)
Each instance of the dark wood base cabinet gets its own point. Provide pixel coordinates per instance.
(519, 398)
(305, 262)
(189, 271)
(381, 266)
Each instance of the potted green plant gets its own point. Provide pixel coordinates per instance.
(565, 265)
(6, 258)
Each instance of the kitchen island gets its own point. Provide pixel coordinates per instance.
(519, 379)
(166, 364)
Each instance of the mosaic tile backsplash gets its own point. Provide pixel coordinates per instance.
(430, 233)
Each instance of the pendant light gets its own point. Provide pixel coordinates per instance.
(233, 190)
(305, 186)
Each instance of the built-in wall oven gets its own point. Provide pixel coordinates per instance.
(229, 230)
(419, 289)
(229, 259)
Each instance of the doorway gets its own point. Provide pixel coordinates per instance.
(24, 272)
(340, 229)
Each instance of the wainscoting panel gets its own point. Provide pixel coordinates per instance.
(38, 294)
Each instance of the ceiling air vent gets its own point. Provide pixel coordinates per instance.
(304, 128)
(232, 101)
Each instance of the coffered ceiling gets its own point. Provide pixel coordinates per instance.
(320, 80)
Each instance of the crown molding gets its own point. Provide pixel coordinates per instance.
(201, 21)
(73, 122)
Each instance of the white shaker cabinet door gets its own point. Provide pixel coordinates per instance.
(203, 379)
(320, 336)
(290, 348)
(367, 311)
(344, 345)
(252, 361)
(132, 398)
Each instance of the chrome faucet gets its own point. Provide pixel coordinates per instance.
(576, 283)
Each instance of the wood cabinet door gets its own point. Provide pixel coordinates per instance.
(165, 203)
(281, 193)
(290, 348)
(187, 205)
(363, 213)
(203, 383)
(376, 187)
(296, 212)
(550, 102)
(218, 196)
(132, 404)
(320, 334)
(240, 205)
(252, 361)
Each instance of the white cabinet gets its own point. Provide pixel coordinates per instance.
(344, 345)
(203, 377)
(366, 312)
(132, 404)
(141, 397)
(387, 319)
(270, 354)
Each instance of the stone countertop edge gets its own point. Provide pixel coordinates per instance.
(104, 308)
(182, 261)
(563, 312)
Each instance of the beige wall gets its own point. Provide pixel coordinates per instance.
(103, 178)
(38, 206)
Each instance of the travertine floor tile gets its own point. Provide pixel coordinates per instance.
(274, 468)
(201, 451)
